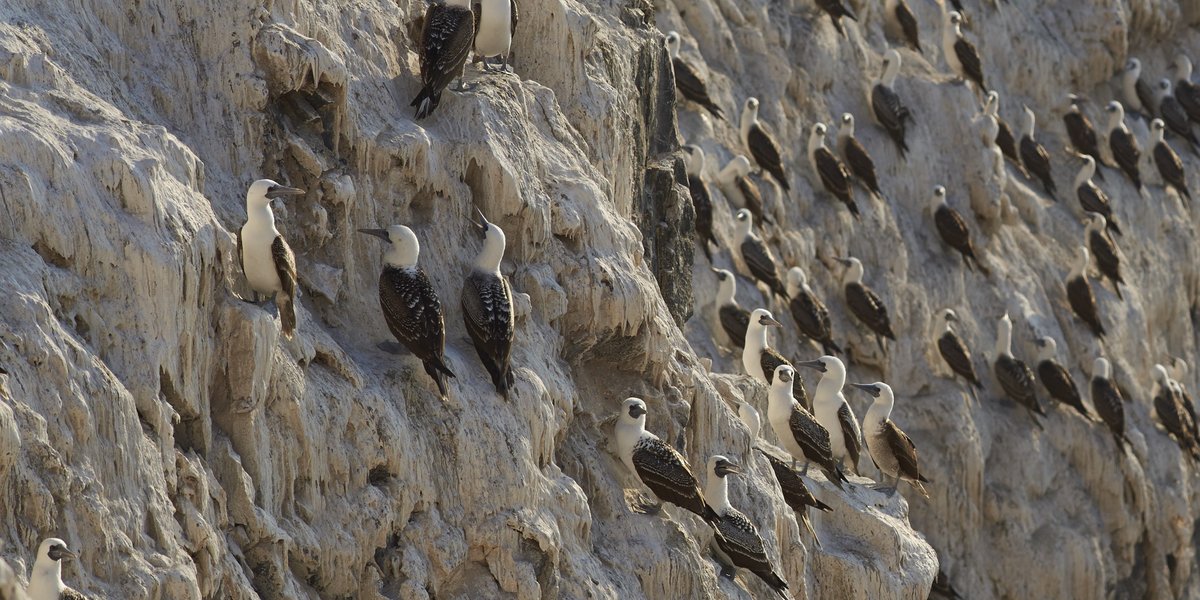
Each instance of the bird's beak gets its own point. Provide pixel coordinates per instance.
(637, 411)
(816, 365)
(769, 322)
(844, 261)
(714, 269)
(482, 225)
(281, 191)
(868, 388)
(953, 317)
(379, 233)
(727, 468)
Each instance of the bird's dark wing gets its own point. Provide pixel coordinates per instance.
(759, 260)
(735, 320)
(953, 229)
(833, 173)
(1083, 302)
(413, 311)
(665, 472)
(955, 353)
(812, 318)
(811, 436)
(446, 41)
(514, 17)
(908, 24)
(851, 435)
(891, 114)
(869, 309)
(1017, 380)
(969, 57)
(1006, 141)
(860, 163)
(795, 492)
(487, 310)
(285, 265)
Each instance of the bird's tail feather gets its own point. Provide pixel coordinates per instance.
(426, 102)
(287, 315)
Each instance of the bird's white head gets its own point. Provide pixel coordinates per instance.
(1094, 221)
(403, 249)
(796, 279)
(1183, 68)
(745, 221)
(938, 199)
(47, 567)
(726, 286)
(494, 242)
(1157, 130)
(749, 115)
(1029, 123)
(853, 272)
(263, 191)
(762, 318)
(633, 412)
(1161, 376)
(816, 137)
(831, 369)
(1004, 336)
(891, 67)
(954, 18)
(1101, 368)
(1163, 88)
(783, 380)
(673, 44)
(1047, 348)
(1086, 170)
(1116, 114)
(720, 466)
(884, 398)
(741, 165)
(846, 129)
(693, 159)
(945, 318)
(1133, 68)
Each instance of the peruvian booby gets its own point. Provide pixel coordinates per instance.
(761, 145)
(887, 108)
(795, 493)
(1082, 132)
(701, 200)
(835, 177)
(799, 432)
(836, 9)
(729, 316)
(1004, 135)
(688, 81)
(1014, 375)
(891, 450)
(749, 416)
(737, 538)
(1080, 295)
(1034, 157)
(487, 307)
(657, 465)
(1102, 246)
(1106, 398)
(410, 304)
(266, 258)
(1123, 144)
(1174, 115)
(755, 255)
(1186, 92)
(1170, 167)
(495, 26)
(900, 14)
(810, 314)
(953, 350)
(737, 185)
(1136, 92)
(1056, 378)
(961, 55)
(45, 580)
(864, 303)
(952, 228)
(446, 40)
(834, 413)
(760, 360)
(1091, 197)
(1179, 370)
(1168, 406)
(856, 155)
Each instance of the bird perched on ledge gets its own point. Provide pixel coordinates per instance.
(266, 258)
(487, 307)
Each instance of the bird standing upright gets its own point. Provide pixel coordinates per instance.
(487, 308)
(266, 258)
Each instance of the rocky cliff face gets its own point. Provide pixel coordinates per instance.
(165, 430)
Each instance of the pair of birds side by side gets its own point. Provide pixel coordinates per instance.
(451, 29)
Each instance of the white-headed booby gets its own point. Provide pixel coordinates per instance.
(864, 303)
(1080, 295)
(1004, 135)
(728, 316)
(799, 432)
(834, 175)
(1170, 167)
(856, 155)
(1091, 197)
(892, 452)
(656, 464)
(760, 143)
(833, 412)
(1106, 398)
(737, 185)
(1081, 131)
(1123, 144)
(266, 258)
(446, 40)
(952, 348)
(1034, 156)
(961, 55)
(795, 493)
(755, 255)
(45, 580)
(495, 27)
(810, 314)
(1014, 375)
(952, 228)
(901, 16)
(760, 360)
(836, 9)
(1168, 407)
(737, 538)
(1102, 246)
(887, 108)
(1186, 92)
(487, 307)
(1174, 115)
(688, 81)
(1136, 92)
(1056, 378)
(693, 161)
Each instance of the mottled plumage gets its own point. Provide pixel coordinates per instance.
(414, 315)
(812, 319)
(1109, 404)
(834, 175)
(702, 203)
(446, 40)
(865, 305)
(1057, 381)
(665, 472)
(836, 10)
(1082, 134)
(486, 304)
(958, 357)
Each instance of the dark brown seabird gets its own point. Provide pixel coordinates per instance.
(446, 40)
(737, 538)
(487, 307)
(1014, 376)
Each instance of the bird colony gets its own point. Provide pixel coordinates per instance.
(521, 299)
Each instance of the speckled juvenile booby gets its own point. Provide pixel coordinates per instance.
(1179, 370)
(760, 360)
(1080, 295)
(446, 41)
(755, 255)
(953, 350)
(1170, 167)
(740, 188)
(729, 316)
(1004, 135)
(487, 308)
(891, 450)
(795, 493)
(833, 412)
(737, 538)
(799, 432)
(1014, 375)
(836, 9)
(1091, 197)
(886, 107)
(656, 464)
(835, 177)
(961, 55)
(1136, 92)
(952, 228)
(1056, 378)
(688, 81)
(856, 155)
(864, 303)
(693, 161)
(45, 580)
(1168, 407)
(1034, 156)
(266, 258)
(1186, 92)
(410, 304)
(495, 27)
(810, 314)
(761, 145)
(1174, 115)
(1102, 246)
(900, 14)
(1123, 144)
(1107, 400)
(1081, 131)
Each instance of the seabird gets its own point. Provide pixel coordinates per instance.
(1174, 115)
(1034, 156)
(688, 81)
(1091, 197)
(864, 303)
(1179, 369)
(1080, 296)
(761, 145)
(1056, 378)
(737, 538)
(901, 15)
(487, 307)
(1170, 167)
(856, 155)
(1104, 249)
(833, 412)
(952, 228)
(886, 107)
(410, 304)
(892, 452)
(799, 432)
(656, 464)
(1014, 376)
(701, 200)
(1187, 92)
(45, 581)
(446, 40)
(1107, 400)
(494, 30)
(961, 55)
(737, 185)
(834, 175)
(760, 360)
(836, 10)
(1137, 93)
(810, 314)
(730, 318)
(751, 419)
(1168, 406)
(266, 258)
(1081, 131)
(1004, 135)
(755, 254)
(954, 351)
(1123, 144)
